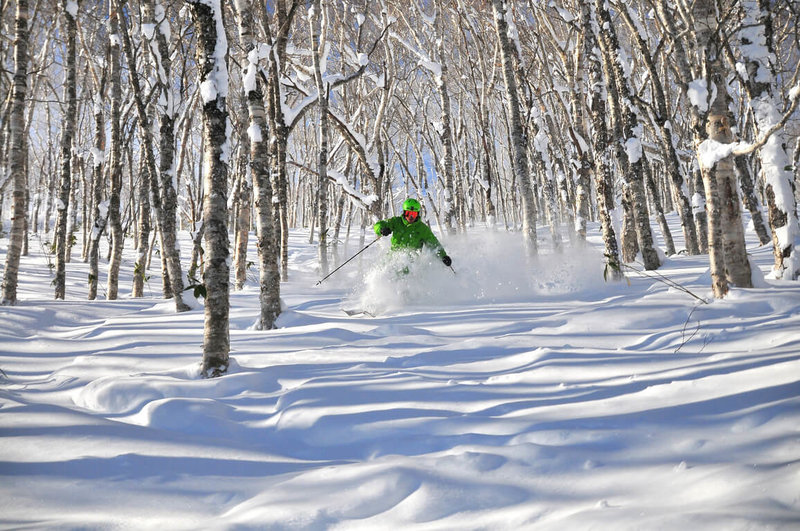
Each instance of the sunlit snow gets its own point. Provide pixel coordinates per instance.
(509, 394)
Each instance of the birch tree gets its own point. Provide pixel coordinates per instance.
(212, 51)
(258, 135)
(157, 32)
(99, 173)
(115, 155)
(70, 8)
(726, 235)
(629, 142)
(666, 134)
(760, 64)
(600, 143)
(318, 22)
(17, 153)
(517, 134)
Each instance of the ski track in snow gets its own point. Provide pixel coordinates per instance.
(510, 395)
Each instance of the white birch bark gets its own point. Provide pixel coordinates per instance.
(629, 144)
(726, 235)
(67, 135)
(166, 216)
(212, 51)
(758, 50)
(99, 208)
(600, 145)
(518, 140)
(268, 244)
(18, 151)
(115, 156)
(318, 23)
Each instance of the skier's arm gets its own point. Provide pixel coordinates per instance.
(382, 228)
(431, 240)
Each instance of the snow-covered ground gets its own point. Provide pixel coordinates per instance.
(509, 395)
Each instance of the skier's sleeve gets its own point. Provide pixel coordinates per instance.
(431, 240)
(380, 225)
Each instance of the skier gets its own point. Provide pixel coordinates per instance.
(409, 232)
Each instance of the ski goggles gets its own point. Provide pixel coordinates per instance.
(410, 215)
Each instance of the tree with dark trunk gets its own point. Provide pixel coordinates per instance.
(212, 51)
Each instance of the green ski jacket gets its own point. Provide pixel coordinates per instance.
(410, 235)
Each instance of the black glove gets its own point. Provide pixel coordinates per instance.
(447, 261)
(385, 231)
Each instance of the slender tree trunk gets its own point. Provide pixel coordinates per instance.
(78, 170)
(269, 272)
(657, 205)
(243, 196)
(167, 215)
(115, 157)
(750, 200)
(517, 134)
(629, 146)
(67, 134)
(699, 208)
(212, 51)
(155, 18)
(318, 23)
(280, 129)
(761, 66)
(666, 137)
(143, 223)
(446, 131)
(600, 147)
(18, 152)
(99, 207)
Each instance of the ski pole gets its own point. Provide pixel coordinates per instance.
(348, 260)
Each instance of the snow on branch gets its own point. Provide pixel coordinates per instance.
(358, 143)
(362, 200)
(424, 60)
(746, 149)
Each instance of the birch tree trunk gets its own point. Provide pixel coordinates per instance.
(318, 22)
(665, 136)
(629, 145)
(759, 54)
(268, 245)
(652, 189)
(280, 129)
(750, 199)
(600, 148)
(78, 176)
(99, 208)
(67, 134)
(518, 139)
(148, 182)
(446, 131)
(18, 152)
(726, 235)
(115, 156)
(679, 53)
(167, 215)
(242, 198)
(143, 224)
(166, 228)
(212, 51)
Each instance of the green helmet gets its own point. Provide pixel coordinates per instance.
(411, 204)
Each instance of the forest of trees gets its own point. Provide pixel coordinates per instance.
(129, 122)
